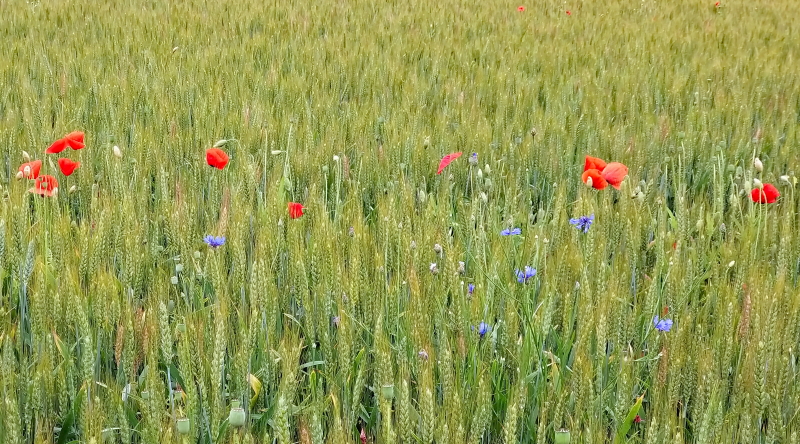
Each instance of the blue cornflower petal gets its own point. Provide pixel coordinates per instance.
(470, 288)
(213, 241)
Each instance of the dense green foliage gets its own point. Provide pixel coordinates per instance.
(118, 324)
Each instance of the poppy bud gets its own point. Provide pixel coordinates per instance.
(275, 152)
(480, 174)
(173, 280)
(335, 158)
(73, 189)
(437, 248)
(758, 165)
(757, 183)
(731, 264)
(26, 156)
(427, 142)
(484, 197)
(117, 152)
(785, 179)
(413, 245)
(748, 185)
(19, 175)
(434, 269)
(533, 132)
(488, 169)
(178, 268)
(461, 267)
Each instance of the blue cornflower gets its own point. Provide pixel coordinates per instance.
(583, 222)
(471, 288)
(483, 328)
(473, 159)
(511, 232)
(662, 324)
(524, 275)
(213, 241)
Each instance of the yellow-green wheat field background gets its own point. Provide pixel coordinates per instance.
(391, 312)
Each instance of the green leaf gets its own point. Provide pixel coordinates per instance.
(622, 432)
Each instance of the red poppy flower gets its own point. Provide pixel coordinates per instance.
(521, 9)
(568, 12)
(716, 5)
(57, 146)
(216, 158)
(45, 185)
(73, 140)
(637, 419)
(33, 168)
(295, 210)
(594, 178)
(614, 173)
(594, 163)
(769, 194)
(67, 166)
(446, 161)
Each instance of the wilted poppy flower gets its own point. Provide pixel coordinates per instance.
(767, 194)
(524, 275)
(446, 161)
(521, 9)
(295, 210)
(30, 170)
(216, 158)
(214, 241)
(73, 140)
(594, 179)
(67, 166)
(582, 223)
(511, 232)
(637, 419)
(662, 324)
(45, 185)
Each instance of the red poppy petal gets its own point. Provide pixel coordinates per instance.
(75, 145)
(68, 166)
(771, 192)
(75, 136)
(57, 146)
(597, 179)
(594, 163)
(446, 161)
(614, 173)
(216, 158)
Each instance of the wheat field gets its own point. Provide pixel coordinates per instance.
(323, 284)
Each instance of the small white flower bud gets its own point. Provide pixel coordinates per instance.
(785, 179)
(26, 156)
(758, 165)
(757, 183)
(117, 152)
